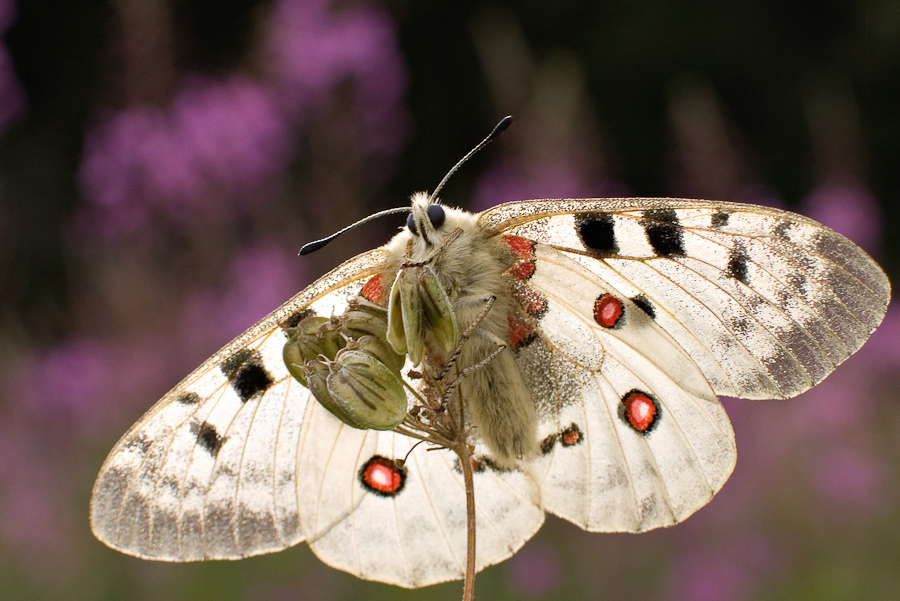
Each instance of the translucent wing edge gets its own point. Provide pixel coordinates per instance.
(355, 269)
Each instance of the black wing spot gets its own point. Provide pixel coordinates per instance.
(233, 364)
(188, 398)
(207, 437)
(296, 318)
(664, 232)
(597, 232)
(783, 229)
(644, 305)
(548, 443)
(720, 219)
(245, 371)
(737, 265)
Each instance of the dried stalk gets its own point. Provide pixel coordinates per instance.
(465, 458)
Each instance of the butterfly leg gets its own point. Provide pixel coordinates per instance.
(467, 333)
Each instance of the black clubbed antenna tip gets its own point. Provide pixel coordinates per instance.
(314, 246)
(501, 127)
(498, 129)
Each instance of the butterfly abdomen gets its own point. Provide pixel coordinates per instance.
(496, 397)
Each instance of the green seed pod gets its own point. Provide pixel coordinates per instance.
(382, 351)
(396, 331)
(419, 304)
(317, 375)
(438, 311)
(363, 318)
(330, 338)
(303, 345)
(366, 390)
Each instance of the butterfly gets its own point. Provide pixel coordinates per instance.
(589, 339)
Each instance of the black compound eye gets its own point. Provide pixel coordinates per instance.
(436, 216)
(411, 224)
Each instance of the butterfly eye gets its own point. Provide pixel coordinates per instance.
(411, 224)
(436, 215)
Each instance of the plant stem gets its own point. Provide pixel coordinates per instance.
(465, 458)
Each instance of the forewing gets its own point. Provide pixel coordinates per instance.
(766, 302)
(597, 468)
(413, 533)
(210, 471)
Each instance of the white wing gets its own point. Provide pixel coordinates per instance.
(237, 460)
(595, 468)
(210, 471)
(766, 302)
(416, 535)
(715, 298)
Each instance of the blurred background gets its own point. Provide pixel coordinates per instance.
(162, 161)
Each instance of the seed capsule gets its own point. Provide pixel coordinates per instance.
(365, 390)
(316, 374)
(310, 338)
(362, 318)
(419, 305)
(381, 350)
(437, 310)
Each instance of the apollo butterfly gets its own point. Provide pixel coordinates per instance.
(587, 339)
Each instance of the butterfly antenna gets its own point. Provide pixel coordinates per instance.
(498, 129)
(314, 246)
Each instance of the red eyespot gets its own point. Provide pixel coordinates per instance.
(570, 436)
(522, 270)
(519, 332)
(533, 303)
(382, 477)
(640, 410)
(373, 290)
(523, 247)
(608, 310)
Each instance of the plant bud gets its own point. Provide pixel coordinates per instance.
(366, 390)
(382, 351)
(363, 318)
(316, 374)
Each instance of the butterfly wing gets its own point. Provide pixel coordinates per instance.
(210, 471)
(766, 302)
(597, 468)
(713, 298)
(239, 460)
(411, 532)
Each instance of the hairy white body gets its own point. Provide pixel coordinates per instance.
(470, 265)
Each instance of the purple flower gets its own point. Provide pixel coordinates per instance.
(882, 351)
(850, 479)
(727, 574)
(82, 385)
(534, 571)
(260, 279)
(312, 49)
(846, 207)
(61, 386)
(31, 521)
(220, 142)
